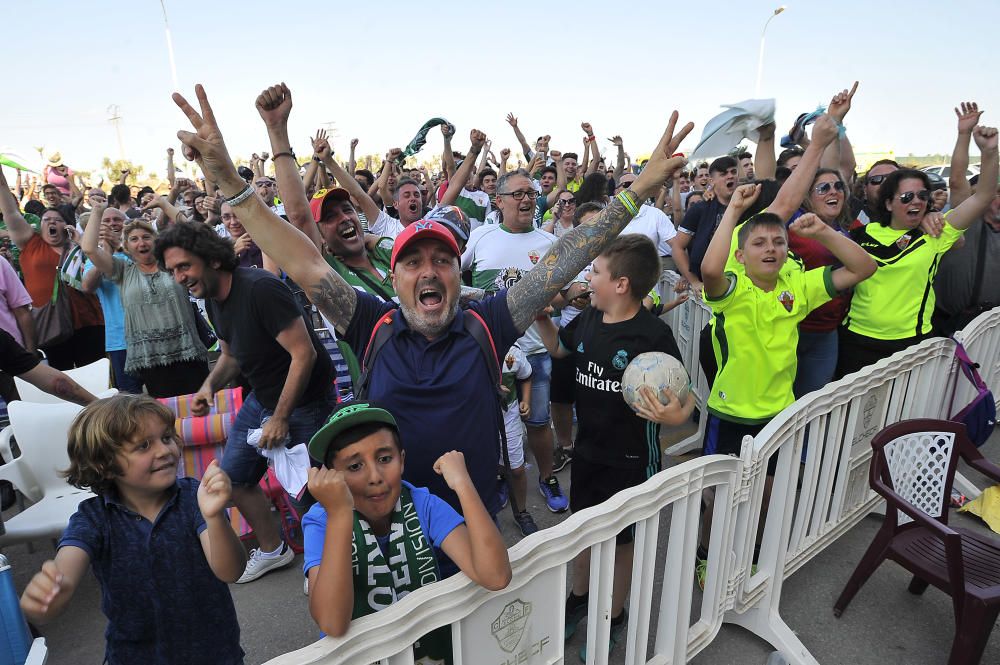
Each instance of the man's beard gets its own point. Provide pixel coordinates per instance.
(430, 328)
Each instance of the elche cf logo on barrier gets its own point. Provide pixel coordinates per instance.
(508, 627)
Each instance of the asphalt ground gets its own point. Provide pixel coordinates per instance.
(884, 624)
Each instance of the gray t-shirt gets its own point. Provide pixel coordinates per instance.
(955, 280)
(159, 320)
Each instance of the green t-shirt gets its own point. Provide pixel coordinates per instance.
(898, 300)
(377, 285)
(755, 335)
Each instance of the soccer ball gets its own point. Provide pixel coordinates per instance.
(657, 370)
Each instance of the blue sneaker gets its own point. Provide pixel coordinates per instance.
(573, 617)
(554, 497)
(503, 492)
(616, 634)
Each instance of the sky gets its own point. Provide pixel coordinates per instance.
(377, 71)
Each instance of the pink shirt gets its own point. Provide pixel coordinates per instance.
(14, 296)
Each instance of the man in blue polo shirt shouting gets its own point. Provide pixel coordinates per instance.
(431, 373)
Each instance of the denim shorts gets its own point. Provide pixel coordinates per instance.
(541, 376)
(242, 462)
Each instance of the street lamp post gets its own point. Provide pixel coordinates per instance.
(170, 46)
(760, 53)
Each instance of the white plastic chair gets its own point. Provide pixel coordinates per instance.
(94, 378)
(41, 431)
(7, 433)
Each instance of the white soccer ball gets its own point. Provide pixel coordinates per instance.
(657, 370)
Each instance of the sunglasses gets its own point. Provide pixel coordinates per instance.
(877, 179)
(825, 187)
(519, 196)
(906, 197)
(567, 201)
(263, 183)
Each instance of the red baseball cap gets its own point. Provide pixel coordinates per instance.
(321, 197)
(420, 230)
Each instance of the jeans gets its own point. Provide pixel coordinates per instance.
(541, 377)
(817, 353)
(125, 383)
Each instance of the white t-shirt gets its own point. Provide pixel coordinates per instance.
(386, 226)
(655, 225)
(498, 258)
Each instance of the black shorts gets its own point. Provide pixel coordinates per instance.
(562, 386)
(724, 437)
(591, 484)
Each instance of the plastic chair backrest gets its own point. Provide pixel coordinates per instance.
(41, 431)
(917, 460)
(95, 378)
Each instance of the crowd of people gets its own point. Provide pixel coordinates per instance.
(472, 311)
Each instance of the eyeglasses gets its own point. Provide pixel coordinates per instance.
(906, 197)
(825, 187)
(228, 217)
(877, 179)
(519, 195)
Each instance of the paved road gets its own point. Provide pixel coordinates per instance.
(883, 625)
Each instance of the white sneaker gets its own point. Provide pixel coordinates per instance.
(258, 565)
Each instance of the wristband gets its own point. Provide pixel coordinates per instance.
(317, 158)
(244, 194)
(629, 200)
(289, 153)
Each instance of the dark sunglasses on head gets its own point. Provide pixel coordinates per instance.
(877, 179)
(906, 197)
(825, 187)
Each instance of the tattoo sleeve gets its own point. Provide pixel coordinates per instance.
(469, 293)
(564, 261)
(335, 299)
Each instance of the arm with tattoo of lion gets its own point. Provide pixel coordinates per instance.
(573, 251)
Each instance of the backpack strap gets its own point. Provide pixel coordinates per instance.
(381, 332)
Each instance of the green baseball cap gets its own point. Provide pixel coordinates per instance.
(344, 417)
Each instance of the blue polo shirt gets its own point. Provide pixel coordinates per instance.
(439, 391)
(164, 604)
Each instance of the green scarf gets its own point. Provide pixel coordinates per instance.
(411, 565)
(421, 138)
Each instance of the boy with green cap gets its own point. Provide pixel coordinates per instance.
(371, 537)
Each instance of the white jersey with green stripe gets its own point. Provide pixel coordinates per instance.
(499, 257)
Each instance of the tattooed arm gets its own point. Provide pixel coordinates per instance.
(468, 294)
(576, 249)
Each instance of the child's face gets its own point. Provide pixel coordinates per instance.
(606, 289)
(149, 460)
(373, 469)
(765, 251)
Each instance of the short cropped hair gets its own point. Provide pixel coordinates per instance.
(99, 433)
(401, 183)
(367, 175)
(634, 257)
(584, 209)
(355, 434)
(722, 164)
(120, 194)
(569, 155)
(199, 239)
(761, 220)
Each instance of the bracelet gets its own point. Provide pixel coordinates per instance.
(244, 194)
(289, 153)
(629, 200)
(317, 158)
(591, 138)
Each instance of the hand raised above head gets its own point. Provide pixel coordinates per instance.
(968, 116)
(205, 145)
(274, 104)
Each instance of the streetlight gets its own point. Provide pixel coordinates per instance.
(170, 46)
(760, 56)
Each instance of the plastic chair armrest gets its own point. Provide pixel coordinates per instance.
(919, 516)
(980, 464)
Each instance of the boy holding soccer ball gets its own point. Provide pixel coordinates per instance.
(616, 447)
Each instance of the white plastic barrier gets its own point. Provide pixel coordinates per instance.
(815, 501)
(687, 321)
(524, 623)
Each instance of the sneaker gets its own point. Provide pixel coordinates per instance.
(554, 497)
(259, 565)
(573, 617)
(616, 634)
(560, 458)
(700, 572)
(525, 523)
(503, 492)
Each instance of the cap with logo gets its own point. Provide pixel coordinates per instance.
(347, 416)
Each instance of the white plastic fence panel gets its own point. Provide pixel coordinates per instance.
(524, 623)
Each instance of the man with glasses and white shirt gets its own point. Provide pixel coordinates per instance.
(498, 256)
(861, 209)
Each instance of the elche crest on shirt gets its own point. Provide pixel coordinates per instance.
(509, 360)
(903, 241)
(787, 299)
(533, 256)
(508, 277)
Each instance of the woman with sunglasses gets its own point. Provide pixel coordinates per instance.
(562, 216)
(817, 349)
(892, 309)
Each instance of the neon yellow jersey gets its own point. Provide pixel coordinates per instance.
(574, 185)
(755, 335)
(898, 300)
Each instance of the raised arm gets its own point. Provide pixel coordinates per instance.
(713, 266)
(504, 157)
(858, 264)
(525, 148)
(765, 162)
(973, 207)
(839, 155)
(573, 251)
(90, 243)
(288, 246)
(447, 156)
(620, 157)
(352, 163)
(171, 175)
(356, 191)
(795, 188)
(388, 166)
(457, 182)
(17, 225)
(968, 117)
